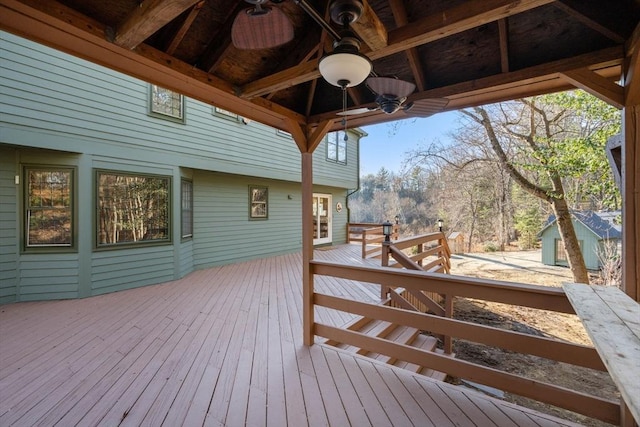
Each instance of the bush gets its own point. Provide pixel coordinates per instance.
(491, 247)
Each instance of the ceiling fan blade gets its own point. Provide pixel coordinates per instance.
(426, 107)
(357, 111)
(390, 86)
(261, 28)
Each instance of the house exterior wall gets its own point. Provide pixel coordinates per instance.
(588, 239)
(58, 110)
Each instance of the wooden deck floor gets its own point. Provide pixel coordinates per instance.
(222, 346)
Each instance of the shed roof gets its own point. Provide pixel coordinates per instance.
(599, 223)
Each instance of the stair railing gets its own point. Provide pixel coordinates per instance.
(432, 247)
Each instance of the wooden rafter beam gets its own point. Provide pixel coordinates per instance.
(530, 81)
(220, 43)
(57, 26)
(426, 30)
(370, 29)
(400, 15)
(591, 19)
(503, 32)
(597, 86)
(453, 21)
(148, 18)
(177, 38)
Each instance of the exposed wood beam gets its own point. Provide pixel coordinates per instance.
(503, 32)
(631, 177)
(577, 10)
(281, 80)
(298, 135)
(452, 21)
(370, 29)
(220, 43)
(597, 86)
(429, 29)
(400, 16)
(315, 138)
(499, 87)
(177, 38)
(55, 25)
(148, 18)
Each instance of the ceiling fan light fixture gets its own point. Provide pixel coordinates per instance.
(345, 64)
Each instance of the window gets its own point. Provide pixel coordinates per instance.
(187, 208)
(337, 147)
(132, 208)
(49, 207)
(561, 254)
(258, 202)
(226, 113)
(167, 103)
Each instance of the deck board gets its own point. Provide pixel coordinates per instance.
(222, 346)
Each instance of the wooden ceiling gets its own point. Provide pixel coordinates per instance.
(468, 51)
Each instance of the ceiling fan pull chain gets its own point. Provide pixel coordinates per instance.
(344, 108)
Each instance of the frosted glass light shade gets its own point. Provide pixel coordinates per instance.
(340, 67)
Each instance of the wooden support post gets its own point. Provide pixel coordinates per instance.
(307, 249)
(448, 313)
(631, 172)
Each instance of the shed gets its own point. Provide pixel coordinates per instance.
(456, 242)
(593, 229)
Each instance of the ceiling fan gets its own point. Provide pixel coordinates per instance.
(264, 26)
(391, 94)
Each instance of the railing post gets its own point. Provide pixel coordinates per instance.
(384, 290)
(448, 313)
(364, 243)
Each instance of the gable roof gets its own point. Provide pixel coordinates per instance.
(594, 221)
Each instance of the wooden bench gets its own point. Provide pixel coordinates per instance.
(612, 320)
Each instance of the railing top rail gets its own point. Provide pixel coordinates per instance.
(421, 238)
(526, 295)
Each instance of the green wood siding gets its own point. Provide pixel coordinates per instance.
(81, 107)
(8, 227)
(61, 110)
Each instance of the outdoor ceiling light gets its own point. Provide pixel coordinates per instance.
(345, 66)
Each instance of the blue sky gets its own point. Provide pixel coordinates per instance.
(400, 138)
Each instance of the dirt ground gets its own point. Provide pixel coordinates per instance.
(525, 267)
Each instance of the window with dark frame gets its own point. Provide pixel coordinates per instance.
(258, 202)
(132, 208)
(167, 103)
(187, 208)
(49, 208)
(337, 147)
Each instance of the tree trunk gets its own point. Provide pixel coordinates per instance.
(570, 241)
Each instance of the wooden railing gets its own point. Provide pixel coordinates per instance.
(369, 234)
(431, 247)
(545, 298)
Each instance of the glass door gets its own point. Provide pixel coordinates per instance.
(321, 219)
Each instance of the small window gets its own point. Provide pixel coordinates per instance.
(561, 253)
(187, 208)
(283, 133)
(225, 113)
(167, 104)
(258, 202)
(132, 208)
(48, 208)
(337, 147)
